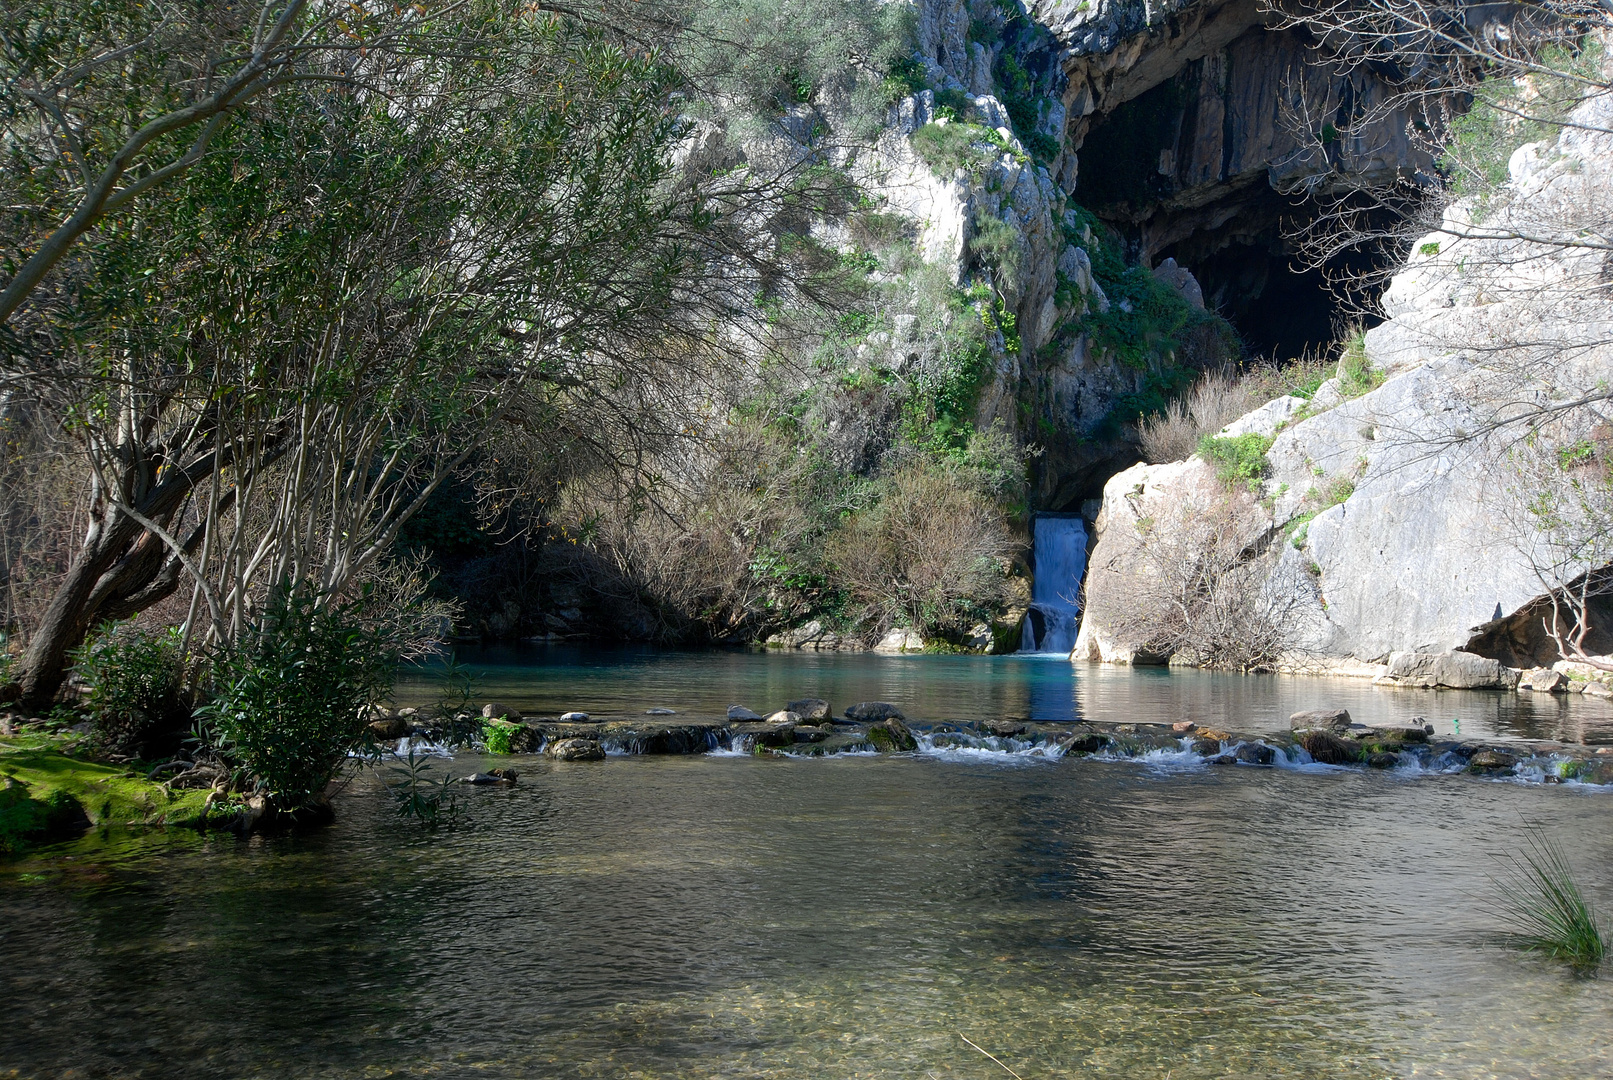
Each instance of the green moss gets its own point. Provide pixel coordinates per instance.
(1240, 459)
(48, 795)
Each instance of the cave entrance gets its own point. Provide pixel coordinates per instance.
(1178, 174)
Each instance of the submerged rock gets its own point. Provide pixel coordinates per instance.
(483, 779)
(1004, 729)
(660, 712)
(1255, 754)
(739, 712)
(872, 712)
(1086, 742)
(1383, 760)
(1321, 719)
(575, 750)
(1206, 747)
(1491, 760)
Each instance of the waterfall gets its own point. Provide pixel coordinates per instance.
(1059, 551)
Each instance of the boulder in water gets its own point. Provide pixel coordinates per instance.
(810, 734)
(1004, 729)
(783, 716)
(764, 734)
(660, 712)
(1255, 754)
(809, 709)
(483, 779)
(892, 736)
(1543, 680)
(1321, 719)
(575, 750)
(574, 718)
(1327, 748)
(1086, 742)
(497, 710)
(740, 713)
(899, 641)
(872, 712)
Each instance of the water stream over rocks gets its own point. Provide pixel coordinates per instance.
(1060, 554)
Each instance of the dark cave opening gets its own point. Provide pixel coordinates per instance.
(1172, 191)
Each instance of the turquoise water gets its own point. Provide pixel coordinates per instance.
(762, 919)
(551, 679)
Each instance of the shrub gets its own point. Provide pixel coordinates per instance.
(1237, 460)
(1217, 399)
(927, 554)
(1544, 903)
(1356, 374)
(134, 677)
(288, 701)
(947, 148)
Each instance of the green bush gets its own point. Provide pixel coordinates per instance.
(949, 147)
(1355, 373)
(1237, 460)
(288, 702)
(134, 677)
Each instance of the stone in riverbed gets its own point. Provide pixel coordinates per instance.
(872, 712)
(810, 709)
(481, 779)
(1320, 719)
(763, 734)
(1184, 727)
(1004, 729)
(1490, 760)
(497, 710)
(1328, 749)
(575, 750)
(892, 736)
(783, 716)
(1383, 760)
(1255, 754)
(574, 718)
(1543, 680)
(1206, 747)
(660, 712)
(742, 714)
(1086, 742)
(811, 734)
(389, 727)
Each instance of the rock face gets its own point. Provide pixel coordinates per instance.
(1387, 518)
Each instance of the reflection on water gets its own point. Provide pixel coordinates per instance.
(556, 678)
(745, 918)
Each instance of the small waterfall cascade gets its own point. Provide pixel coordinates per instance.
(1059, 550)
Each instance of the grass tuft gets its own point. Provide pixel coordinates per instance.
(1549, 913)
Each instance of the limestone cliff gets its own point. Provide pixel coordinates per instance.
(1396, 525)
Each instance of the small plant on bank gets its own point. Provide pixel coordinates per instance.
(1356, 374)
(1240, 459)
(1542, 900)
(134, 677)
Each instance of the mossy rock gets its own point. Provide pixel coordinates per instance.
(1328, 749)
(892, 736)
(49, 796)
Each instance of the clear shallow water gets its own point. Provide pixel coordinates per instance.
(550, 679)
(739, 917)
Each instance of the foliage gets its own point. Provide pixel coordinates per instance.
(1542, 899)
(1356, 374)
(948, 147)
(927, 554)
(497, 735)
(430, 800)
(134, 676)
(288, 700)
(1240, 459)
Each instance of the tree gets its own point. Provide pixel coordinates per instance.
(327, 313)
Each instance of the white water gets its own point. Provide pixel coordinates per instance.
(1060, 552)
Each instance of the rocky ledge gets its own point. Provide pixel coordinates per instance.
(809, 728)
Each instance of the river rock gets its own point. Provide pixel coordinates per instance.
(497, 710)
(764, 734)
(389, 727)
(1327, 748)
(1086, 742)
(742, 714)
(1004, 729)
(1321, 719)
(1542, 680)
(900, 641)
(483, 779)
(1184, 727)
(1491, 760)
(810, 734)
(1396, 733)
(574, 718)
(809, 709)
(1383, 760)
(892, 735)
(783, 716)
(1206, 747)
(872, 711)
(575, 750)
(660, 712)
(1255, 754)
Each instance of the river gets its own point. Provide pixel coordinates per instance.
(738, 917)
